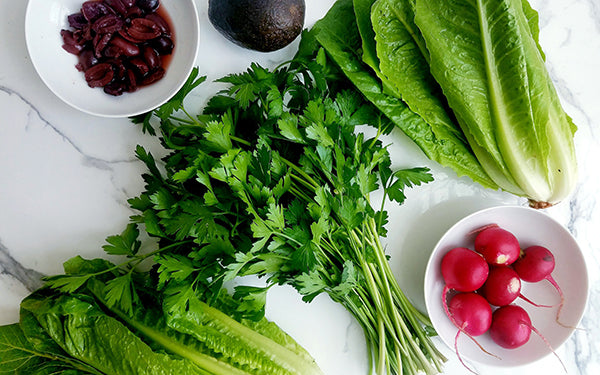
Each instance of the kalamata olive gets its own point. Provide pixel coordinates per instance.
(148, 6)
(133, 12)
(115, 88)
(160, 22)
(100, 42)
(69, 43)
(140, 66)
(86, 60)
(109, 23)
(128, 37)
(127, 48)
(128, 3)
(92, 10)
(112, 52)
(84, 34)
(99, 75)
(163, 45)
(151, 57)
(153, 76)
(118, 66)
(143, 29)
(131, 81)
(117, 5)
(77, 20)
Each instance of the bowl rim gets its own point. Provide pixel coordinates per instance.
(155, 99)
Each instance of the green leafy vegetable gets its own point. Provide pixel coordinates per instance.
(495, 80)
(88, 332)
(89, 336)
(274, 179)
(338, 34)
(20, 356)
(473, 75)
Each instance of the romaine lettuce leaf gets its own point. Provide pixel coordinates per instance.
(19, 356)
(486, 57)
(87, 335)
(338, 34)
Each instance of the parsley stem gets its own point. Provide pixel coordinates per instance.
(299, 193)
(240, 140)
(311, 182)
(138, 259)
(185, 121)
(302, 181)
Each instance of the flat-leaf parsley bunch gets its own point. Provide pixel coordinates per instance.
(273, 179)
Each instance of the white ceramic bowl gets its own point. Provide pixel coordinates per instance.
(43, 22)
(531, 227)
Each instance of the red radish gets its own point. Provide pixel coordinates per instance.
(537, 264)
(464, 270)
(503, 286)
(498, 246)
(482, 228)
(472, 315)
(511, 328)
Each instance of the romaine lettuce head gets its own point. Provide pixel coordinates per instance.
(486, 57)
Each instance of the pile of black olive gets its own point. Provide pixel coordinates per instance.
(121, 44)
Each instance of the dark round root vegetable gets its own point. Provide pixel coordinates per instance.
(498, 246)
(471, 313)
(536, 264)
(502, 286)
(464, 270)
(261, 25)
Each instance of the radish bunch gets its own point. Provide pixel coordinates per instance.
(485, 283)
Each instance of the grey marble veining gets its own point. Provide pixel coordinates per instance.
(30, 279)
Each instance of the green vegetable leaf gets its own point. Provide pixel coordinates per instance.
(304, 258)
(310, 285)
(176, 102)
(350, 279)
(120, 292)
(412, 177)
(288, 126)
(19, 356)
(496, 81)
(338, 33)
(219, 133)
(66, 283)
(252, 301)
(126, 243)
(101, 342)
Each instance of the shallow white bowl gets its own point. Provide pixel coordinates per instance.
(531, 227)
(56, 67)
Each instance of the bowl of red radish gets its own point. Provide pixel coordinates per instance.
(113, 58)
(506, 286)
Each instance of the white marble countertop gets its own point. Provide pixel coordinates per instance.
(65, 177)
